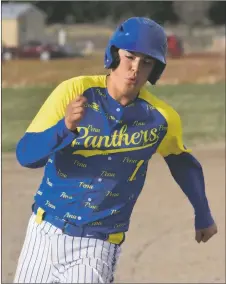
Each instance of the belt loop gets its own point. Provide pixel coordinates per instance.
(116, 238)
(124, 237)
(39, 215)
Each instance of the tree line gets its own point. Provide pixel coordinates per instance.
(111, 12)
(188, 12)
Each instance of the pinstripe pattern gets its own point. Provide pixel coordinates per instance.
(48, 256)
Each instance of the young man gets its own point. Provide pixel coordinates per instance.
(95, 136)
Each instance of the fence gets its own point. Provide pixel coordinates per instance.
(197, 39)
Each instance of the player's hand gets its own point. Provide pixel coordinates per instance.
(74, 112)
(204, 235)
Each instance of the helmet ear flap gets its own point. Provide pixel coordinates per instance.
(156, 72)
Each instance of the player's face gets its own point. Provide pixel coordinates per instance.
(134, 69)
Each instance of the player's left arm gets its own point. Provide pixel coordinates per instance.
(188, 173)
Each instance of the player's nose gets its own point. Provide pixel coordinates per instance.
(137, 64)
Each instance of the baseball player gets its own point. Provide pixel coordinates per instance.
(95, 135)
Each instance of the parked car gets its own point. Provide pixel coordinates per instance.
(8, 53)
(37, 49)
(175, 46)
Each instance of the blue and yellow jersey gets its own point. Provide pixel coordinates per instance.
(94, 177)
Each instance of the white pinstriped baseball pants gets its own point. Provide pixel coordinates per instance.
(49, 256)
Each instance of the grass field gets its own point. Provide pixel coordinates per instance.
(188, 70)
(202, 109)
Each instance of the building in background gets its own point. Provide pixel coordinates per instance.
(21, 22)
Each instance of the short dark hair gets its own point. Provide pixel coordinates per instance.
(115, 56)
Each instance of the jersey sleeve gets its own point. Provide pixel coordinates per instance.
(172, 143)
(188, 173)
(184, 167)
(47, 132)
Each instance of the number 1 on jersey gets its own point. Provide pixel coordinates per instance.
(139, 164)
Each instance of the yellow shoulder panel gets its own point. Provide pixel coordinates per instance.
(173, 140)
(53, 109)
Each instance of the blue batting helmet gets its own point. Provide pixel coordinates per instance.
(141, 35)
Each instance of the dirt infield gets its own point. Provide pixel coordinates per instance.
(160, 246)
(192, 68)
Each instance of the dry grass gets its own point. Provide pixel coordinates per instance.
(197, 69)
(34, 72)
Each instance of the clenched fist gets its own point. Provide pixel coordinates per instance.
(75, 112)
(204, 235)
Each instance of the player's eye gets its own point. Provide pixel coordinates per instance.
(129, 56)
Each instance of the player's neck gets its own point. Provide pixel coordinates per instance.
(124, 97)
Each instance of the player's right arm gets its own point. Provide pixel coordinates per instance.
(54, 126)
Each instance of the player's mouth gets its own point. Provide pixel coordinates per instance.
(132, 80)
